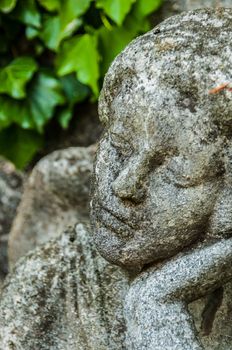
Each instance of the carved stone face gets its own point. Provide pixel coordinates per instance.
(159, 165)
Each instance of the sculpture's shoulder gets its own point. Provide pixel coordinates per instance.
(55, 297)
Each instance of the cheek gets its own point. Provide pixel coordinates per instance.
(174, 207)
(199, 201)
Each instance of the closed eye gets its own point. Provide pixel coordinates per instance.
(122, 146)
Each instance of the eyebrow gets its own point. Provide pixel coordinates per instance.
(119, 135)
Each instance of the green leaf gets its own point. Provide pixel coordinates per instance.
(70, 10)
(14, 111)
(44, 95)
(52, 33)
(31, 33)
(75, 92)
(7, 5)
(120, 37)
(27, 12)
(64, 117)
(116, 9)
(6, 112)
(80, 55)
(14, 77)
(73, 89)
(50, 5)
(19, 145)
(145, 8)
(62, 25)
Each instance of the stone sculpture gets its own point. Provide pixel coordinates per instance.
(163, 174)
(161, 205)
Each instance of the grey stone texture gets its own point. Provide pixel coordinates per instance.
(163, 165)
(63, 296)
(156, 306)
(11, 185)
(162, 193)
(56, 195)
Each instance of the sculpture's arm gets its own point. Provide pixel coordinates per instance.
(156, 304)
(189, 275)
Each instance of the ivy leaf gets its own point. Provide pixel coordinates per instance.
(19, 145)
(116, 9)
(145, 8)
(14, 77)
(27, 12)
(64, 117)
(119, 37)
(70, 10)
(79, 54)
(52, 33)
(44, 95)
(14, 111)
(50, 5)
(74, 90)
(5, 116)
(7, 5)
(62, 25)
(31, 33)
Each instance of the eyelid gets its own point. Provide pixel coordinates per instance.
(119, 139)
(182, 174)
(119, 142)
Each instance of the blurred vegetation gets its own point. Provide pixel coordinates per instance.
(53, 55)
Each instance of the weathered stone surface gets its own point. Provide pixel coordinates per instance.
(56, 195)
(162, 160)
(159, 297)
(11, 183)
(163, 177)
(63, 296)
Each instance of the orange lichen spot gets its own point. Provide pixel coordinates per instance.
(225, 86)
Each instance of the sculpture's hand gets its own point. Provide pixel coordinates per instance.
(192, 274)
(156, 304)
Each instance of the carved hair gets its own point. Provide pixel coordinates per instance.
(174, 50)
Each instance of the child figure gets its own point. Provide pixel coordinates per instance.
(162, 196)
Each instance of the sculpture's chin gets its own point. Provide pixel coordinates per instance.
(114, 249)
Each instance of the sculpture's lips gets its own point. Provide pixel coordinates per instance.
(113, 222)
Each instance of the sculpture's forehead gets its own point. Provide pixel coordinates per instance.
(172, 67)
(188, 44)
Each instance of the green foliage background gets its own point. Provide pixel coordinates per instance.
(53, 55)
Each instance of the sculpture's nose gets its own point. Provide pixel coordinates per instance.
(130, 182)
